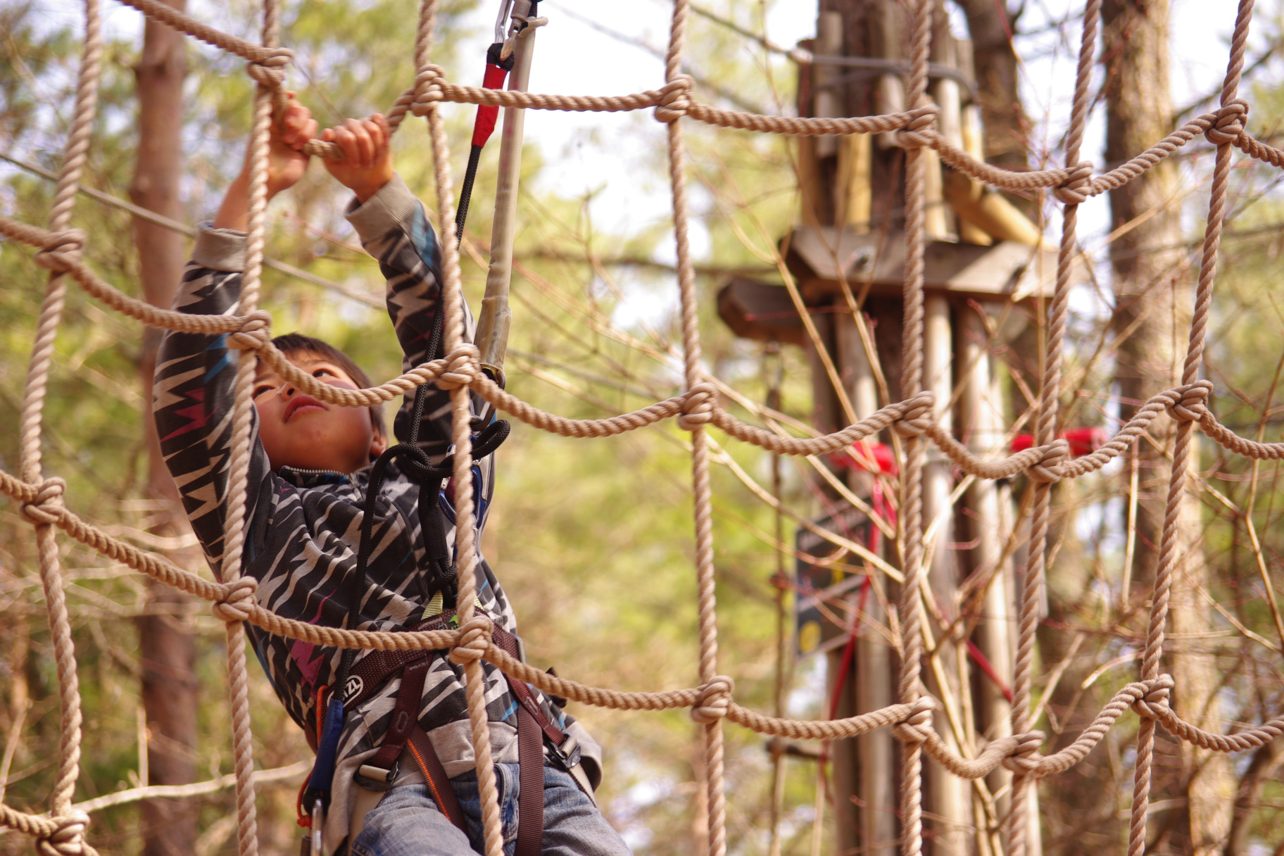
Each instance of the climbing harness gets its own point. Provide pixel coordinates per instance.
(536, 733)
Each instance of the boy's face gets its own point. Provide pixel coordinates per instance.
(299, 431)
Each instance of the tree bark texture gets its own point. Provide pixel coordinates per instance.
(1153, 292)
(991, 25)
(166, 646)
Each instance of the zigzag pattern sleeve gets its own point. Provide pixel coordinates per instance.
(192, 406)
(395, 231)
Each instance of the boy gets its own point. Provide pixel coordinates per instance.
(308, 475)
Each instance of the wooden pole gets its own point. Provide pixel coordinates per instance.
(495, 318)
(876, 751)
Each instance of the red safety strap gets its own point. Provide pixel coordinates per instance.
(530, 757)
(488, 114)
(425, 757)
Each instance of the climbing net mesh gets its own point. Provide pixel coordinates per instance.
(63, 830)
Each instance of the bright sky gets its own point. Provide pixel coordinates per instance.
(604, 153)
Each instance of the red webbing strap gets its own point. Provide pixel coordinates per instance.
(487, 115)
(405, 716)
(522, 691)
(530, 799)
(530, 758)
(426, 759)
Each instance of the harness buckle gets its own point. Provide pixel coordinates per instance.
(374, 778)
(567, 754)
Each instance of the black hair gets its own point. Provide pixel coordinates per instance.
(293, 343)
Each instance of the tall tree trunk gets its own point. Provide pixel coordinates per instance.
(1151, 323)
(165, 641)
(991, 26)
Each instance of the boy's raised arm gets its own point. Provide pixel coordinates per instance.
(193, 391)
(394, 229)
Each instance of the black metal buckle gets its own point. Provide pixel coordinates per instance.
(374, 778)
(567, 755)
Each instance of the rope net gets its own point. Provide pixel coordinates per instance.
(712, 701)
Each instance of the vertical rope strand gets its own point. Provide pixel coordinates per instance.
(37, 384)
(1031, 596)
(238, 466)
(715, 820)
(1164, 572)
(910, 531)
(461, 416)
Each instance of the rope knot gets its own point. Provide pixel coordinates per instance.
(253, 334)
(61, 252)
(1156, 698)
(1048, 468)
(46, 506)
(473, 641)
(714, 700)
(697, 406)
(1022, 757)
(1190, 403)
(67, 838)
(1229, 125)
(675, 99)
(462, 367)
(1076, 187)
(916, 416)
(920, 130)
(269, 69)
(917, 726)
(238, 598)
(429, 89)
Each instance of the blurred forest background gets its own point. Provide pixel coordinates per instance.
(593, 538)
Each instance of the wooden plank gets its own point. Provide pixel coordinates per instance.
(760, 311)
(820, 257)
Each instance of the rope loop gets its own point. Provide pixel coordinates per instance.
(920, 131)
(238, 598)
(1190, 403)
(1022, 757)
(269, 70)
(675, 99)
(473, 642)
(697, 406)
(67, 838)
(254, 334)
(463, 366)
(1076, 188)
(46, 506)
(714, 700)
(917, 726)
(429, 89)
(1229, 126)
(60, 253)
(915, 418)
(1048, 468)
(1156, 698)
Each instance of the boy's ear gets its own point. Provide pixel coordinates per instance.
(378, 445)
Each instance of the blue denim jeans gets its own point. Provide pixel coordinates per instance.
(407, 822)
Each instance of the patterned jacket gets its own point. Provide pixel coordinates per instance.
(303, 527)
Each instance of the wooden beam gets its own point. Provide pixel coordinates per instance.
(821, 257)
(760, 311)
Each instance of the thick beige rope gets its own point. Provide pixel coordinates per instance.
(712, 700)
(475, 629)
(913, 342)
(1031, 588)
(1168, 557)
(707, 712)
(66, 836)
